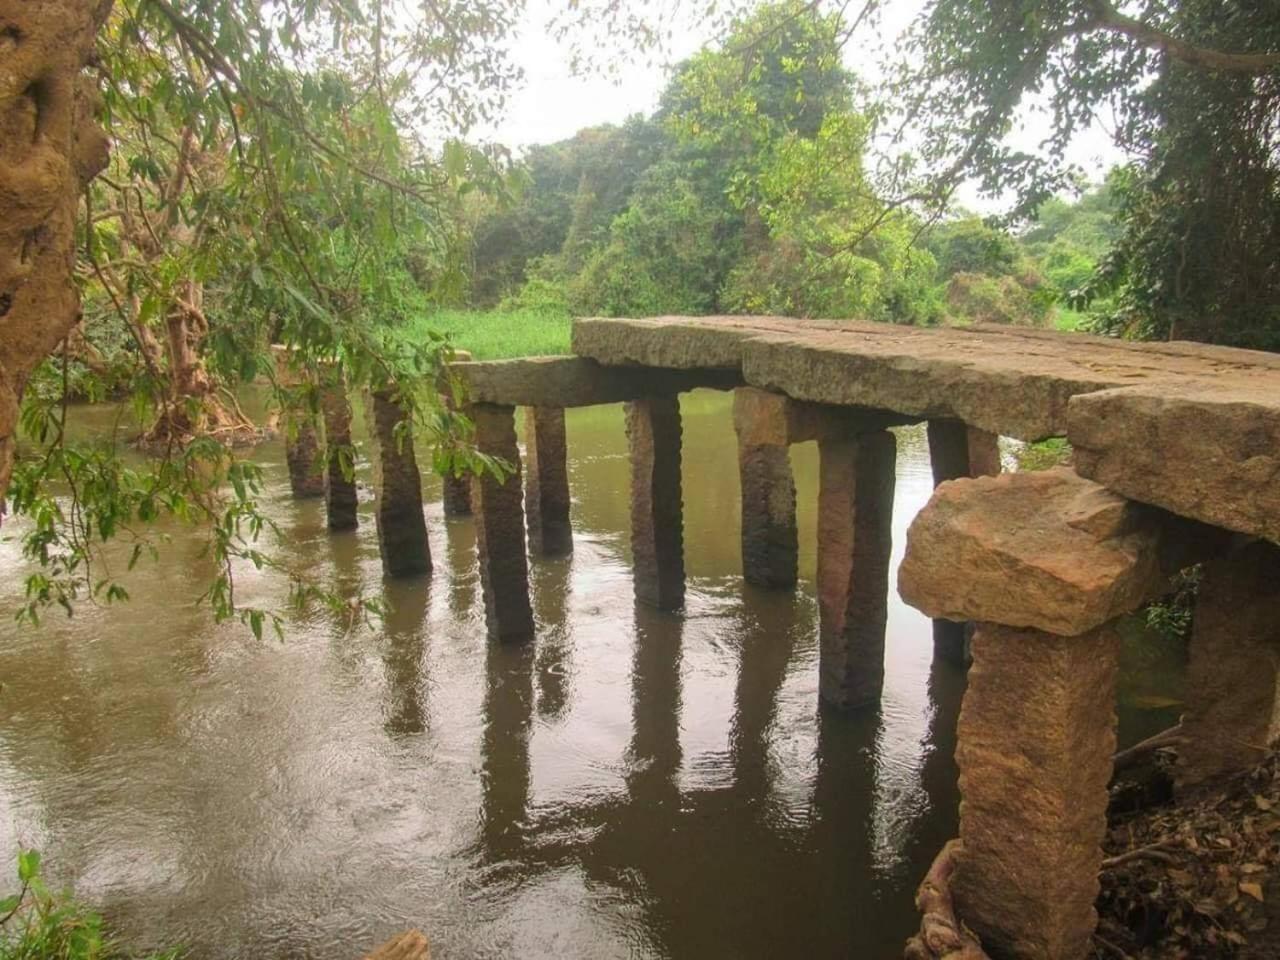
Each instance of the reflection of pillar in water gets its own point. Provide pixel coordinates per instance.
(767, 640)
(555, 642)
(654, 753)
(460, 548)
(402, 657)
(505, 771)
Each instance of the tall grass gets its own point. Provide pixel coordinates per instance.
(497, 334)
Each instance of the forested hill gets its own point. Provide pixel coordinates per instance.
(746, 192)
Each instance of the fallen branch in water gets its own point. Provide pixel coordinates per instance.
(942, 936)
(1152, 851)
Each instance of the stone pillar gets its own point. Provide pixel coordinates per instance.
(301, 441)
(958, 450)
(1036, 737)
(855, 513)
(546, 492)
(340, 485)
(500, 545)
(1044, 563)
(455, 491)
(402, 529)
(770, 544)
(1233, 677)
(657, 522)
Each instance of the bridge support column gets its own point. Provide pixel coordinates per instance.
(1044, 563)
(546, 492)
(500, 543)
(301, 441)
(957, 450)
(455, 491)
(340, 482)
(657, 519)
(770, 546)
(855, 513)
(402, 529)
(1036, 737)
(1233, 678)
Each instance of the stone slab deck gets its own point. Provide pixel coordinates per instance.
(1194, 429)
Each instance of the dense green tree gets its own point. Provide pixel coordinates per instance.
(1193, 84)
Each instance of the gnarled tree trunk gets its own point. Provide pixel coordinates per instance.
(50, 147)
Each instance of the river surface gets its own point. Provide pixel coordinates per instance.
(634, 784)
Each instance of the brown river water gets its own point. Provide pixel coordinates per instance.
(634, 784)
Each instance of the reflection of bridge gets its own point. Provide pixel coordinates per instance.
(1179, 445)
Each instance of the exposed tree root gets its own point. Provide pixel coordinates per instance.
(942, 936)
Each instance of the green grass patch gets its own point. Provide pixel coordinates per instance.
(1044, 454)
(498, 334)
(1068, 320)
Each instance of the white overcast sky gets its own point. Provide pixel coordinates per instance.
(553, 104)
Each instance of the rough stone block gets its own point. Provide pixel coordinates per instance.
(402, 528)
(546, 492)
(1233, 678)
(500, 543)
(1048, 550)
(855, 514)
(340, 490)
(1036, 737)
(1208, 451)
(657, 508)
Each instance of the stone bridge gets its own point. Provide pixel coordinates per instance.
(1176, 462)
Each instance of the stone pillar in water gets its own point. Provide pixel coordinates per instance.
(340, 489)
(855, 514)
(657, 520)
(455, 492)
(546, 492)
(1044, 563)
(500, 544)
(1035, 741)
(402, 529)
(1233, 678)
(958, 450)
(301, 441)
(770, 546)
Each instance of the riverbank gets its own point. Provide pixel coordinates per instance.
(497, 334)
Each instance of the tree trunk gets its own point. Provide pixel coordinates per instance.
(50, 147)
(193, 407)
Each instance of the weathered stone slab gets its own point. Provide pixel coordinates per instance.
(576, 382)
(1005, 382)
(1210, 452)
(500, 543)
(546, 490)
(1233, 678)
(1036, 737)
(341, 500)
(402, 527)
(657, 508)
(855, 518)
(1048, 550)
(763, 417)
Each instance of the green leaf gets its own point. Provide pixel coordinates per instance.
(28, 865)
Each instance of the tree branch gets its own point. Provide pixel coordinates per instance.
(1108, 18)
